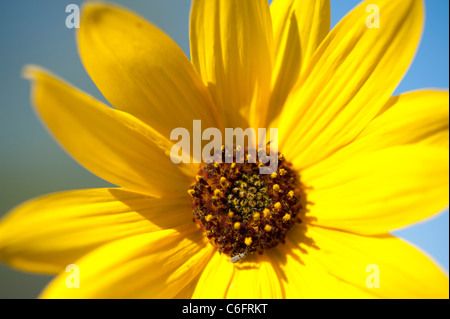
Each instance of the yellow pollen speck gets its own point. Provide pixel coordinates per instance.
(290, 194)
(209, 217)
(223, 181)
(249, 158)
(286, 217)
(214, 198)
(237, 225)
(276, 188)
(277, 206)
(217, 192)
(230, 214)
(256, 216)
(267, 228)
(233, 165)
(282, 172)
(191, 192)
(198, 178)
(281, 157)
(216, 165)
(266, 212)
(248, 241)
(274, 175)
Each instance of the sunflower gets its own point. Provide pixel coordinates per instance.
(354, 162)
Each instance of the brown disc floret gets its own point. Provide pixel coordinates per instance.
(242, 210)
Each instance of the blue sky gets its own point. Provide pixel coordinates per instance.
(33, 164)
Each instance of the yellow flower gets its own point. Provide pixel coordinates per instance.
(367, 162)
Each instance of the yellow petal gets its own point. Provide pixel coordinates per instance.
(414, 117)
(112, 144)
(404, 271)
(48, 233)
(306, 277)
(156, 265)
(420, 117)
(188, 290)
(299, 26)
(141, 70)
(382, 190)
(350, 78)
(255, 278)
(230, 49)
(215, 278)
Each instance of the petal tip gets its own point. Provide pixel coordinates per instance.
(30, 71)
(35, 72)
(94, 9)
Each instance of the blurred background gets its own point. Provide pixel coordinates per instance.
(32, 164)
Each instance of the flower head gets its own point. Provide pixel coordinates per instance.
(353, 162)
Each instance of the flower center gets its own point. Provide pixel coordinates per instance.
(242, 211)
